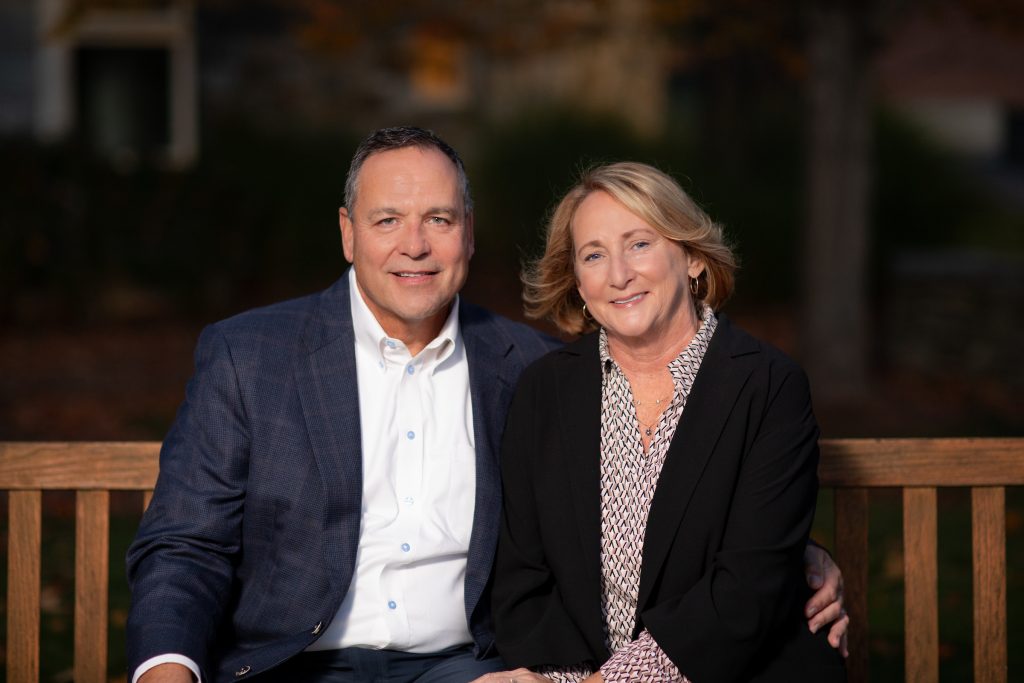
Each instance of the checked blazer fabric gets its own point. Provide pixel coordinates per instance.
(249, 545)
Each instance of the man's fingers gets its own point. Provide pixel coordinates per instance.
(837, 635)
(823, 598)
(831, 613)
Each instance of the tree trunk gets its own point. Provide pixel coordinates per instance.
(835, 325)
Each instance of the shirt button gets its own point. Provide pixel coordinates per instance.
(392, 604)
(391, 343)
(408, 500)
(406, 547)
(410, 435)
(410, 369)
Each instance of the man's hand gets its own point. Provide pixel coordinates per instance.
(826, 605)
(167, 673)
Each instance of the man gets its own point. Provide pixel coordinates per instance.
(328, 496)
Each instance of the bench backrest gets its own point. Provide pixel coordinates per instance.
(92, 470)
(919, 467)
(850, 466)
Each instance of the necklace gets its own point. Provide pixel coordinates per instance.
(657, 401)
(648, 427)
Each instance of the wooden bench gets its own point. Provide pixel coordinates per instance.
(919, 467)
(851, 466)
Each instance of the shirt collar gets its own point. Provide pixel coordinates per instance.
(372, 339)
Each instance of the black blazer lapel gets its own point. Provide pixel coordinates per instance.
(328, 392)
(725, 369)
(578, 402)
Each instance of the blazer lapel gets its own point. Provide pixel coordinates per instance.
(492, 376)
(579, 409)
(723, 372)
(326, 380)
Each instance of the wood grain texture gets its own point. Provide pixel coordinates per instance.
(921, 610)
(108, 466)
(92, 552)
(921, 462)
(851, 553)
(988, 524)
(24, 545)
(851, 466)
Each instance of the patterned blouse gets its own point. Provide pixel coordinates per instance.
(629, 476)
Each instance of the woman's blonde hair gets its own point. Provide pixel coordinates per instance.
(550, 281)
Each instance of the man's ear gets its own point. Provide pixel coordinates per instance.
(470, 239)
(347, 237)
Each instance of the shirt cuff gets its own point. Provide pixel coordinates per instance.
(641, 660)
(167, 659)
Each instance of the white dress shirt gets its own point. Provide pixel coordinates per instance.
(419, 488)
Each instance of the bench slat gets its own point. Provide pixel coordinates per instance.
(128, 466)
(921, 609)
(92, 553)
(921, 462)
(988, 524)
(23, 579)
(851, 528)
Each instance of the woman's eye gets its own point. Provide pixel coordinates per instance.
(642, 244)
(587, 258)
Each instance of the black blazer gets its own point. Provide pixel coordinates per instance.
(721, 586)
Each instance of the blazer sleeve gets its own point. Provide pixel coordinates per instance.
(750, 590)
(180, 565)
(532, 625)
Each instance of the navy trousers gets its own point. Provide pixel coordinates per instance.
(360, 665)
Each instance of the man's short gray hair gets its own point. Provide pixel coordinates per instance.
(400, 137)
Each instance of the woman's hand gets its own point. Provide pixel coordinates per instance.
(826, 605)
(517, 676)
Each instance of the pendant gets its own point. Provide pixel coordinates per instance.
(647, 431)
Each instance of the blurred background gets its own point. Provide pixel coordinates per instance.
(166, 163)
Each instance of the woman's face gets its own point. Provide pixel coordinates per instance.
(634, 281)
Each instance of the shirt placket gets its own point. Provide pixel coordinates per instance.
(408, 487)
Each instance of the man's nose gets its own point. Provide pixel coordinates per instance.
(414, 242)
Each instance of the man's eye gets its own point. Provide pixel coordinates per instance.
(439, 220)
(390, 220)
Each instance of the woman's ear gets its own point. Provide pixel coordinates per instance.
(695, 265)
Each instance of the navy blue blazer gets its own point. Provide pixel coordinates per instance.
(249, 545)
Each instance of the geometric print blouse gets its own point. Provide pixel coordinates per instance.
(629, 476)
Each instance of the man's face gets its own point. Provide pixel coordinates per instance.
(409, 239)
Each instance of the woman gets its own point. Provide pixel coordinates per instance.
(659, 473)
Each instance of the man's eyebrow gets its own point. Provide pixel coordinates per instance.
(384, 211)
(450, 210)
